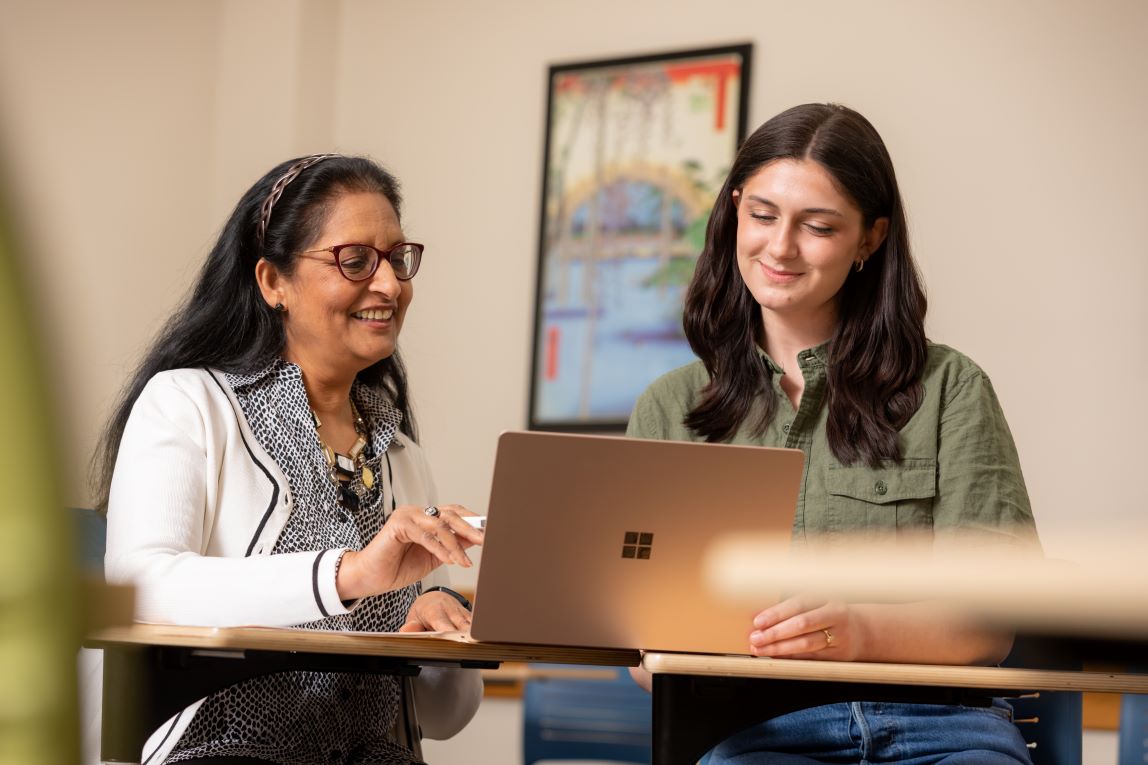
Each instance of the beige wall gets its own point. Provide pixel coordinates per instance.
(1017, 128)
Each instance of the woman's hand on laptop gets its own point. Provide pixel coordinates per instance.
(413, 541)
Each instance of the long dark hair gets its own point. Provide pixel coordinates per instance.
(877, 352)
(226, 323)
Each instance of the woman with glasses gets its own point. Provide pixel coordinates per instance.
(262, 468)
(808, 317)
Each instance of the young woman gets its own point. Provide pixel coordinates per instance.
(262, 468)
(807, 315)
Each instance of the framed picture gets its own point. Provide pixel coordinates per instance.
(636, 152)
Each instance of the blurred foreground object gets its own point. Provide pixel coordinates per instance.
(39, 615)
(1101, 593)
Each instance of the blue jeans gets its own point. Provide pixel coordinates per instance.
(864, 733)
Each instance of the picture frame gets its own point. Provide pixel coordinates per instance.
(636, 151)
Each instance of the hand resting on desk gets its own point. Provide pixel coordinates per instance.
(900, 633)
(813, 627)
(436, 612)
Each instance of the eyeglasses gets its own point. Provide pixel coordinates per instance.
(359, 262)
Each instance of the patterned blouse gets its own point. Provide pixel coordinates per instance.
(312, 718)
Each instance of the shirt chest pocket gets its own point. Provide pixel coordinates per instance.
(885, 501)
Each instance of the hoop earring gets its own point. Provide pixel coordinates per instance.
(280, 308)
(860, 264)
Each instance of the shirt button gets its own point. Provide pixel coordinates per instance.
(881, 488)
(785, 427)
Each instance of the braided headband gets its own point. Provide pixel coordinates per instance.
(277, 190)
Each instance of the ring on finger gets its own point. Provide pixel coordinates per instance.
(432, 511)
(828, 638)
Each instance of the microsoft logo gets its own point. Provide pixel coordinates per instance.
(637, 544)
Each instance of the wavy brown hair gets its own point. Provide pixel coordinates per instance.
(877, 352)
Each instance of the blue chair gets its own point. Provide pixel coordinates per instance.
(1050, 721)
(1133, 730)
(604, 717)
(91, 538)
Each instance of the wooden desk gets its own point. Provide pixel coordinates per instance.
(701, 700)
(895, 674)
(153, 671)
(220, 640)
(698, 700)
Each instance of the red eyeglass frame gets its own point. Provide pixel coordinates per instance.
(381, 256)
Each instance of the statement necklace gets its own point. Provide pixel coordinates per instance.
(353, 479)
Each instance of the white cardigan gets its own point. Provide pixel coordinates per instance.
(196, 507)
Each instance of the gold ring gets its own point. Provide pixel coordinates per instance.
(828, 638)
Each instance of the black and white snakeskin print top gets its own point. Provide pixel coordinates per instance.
(312, 718)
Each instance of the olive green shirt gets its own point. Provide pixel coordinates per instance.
(959, 479)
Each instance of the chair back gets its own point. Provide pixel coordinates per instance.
(1050, 721)
(91, 540)
(585, 713)
(1133, 729)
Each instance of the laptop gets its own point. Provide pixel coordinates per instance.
(596, 541)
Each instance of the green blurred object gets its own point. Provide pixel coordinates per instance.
(39, 613)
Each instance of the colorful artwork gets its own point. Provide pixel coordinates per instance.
(636, 152)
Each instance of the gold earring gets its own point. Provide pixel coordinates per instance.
(860, 264)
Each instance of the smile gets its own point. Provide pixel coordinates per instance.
(782, 277)
(375, 314)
